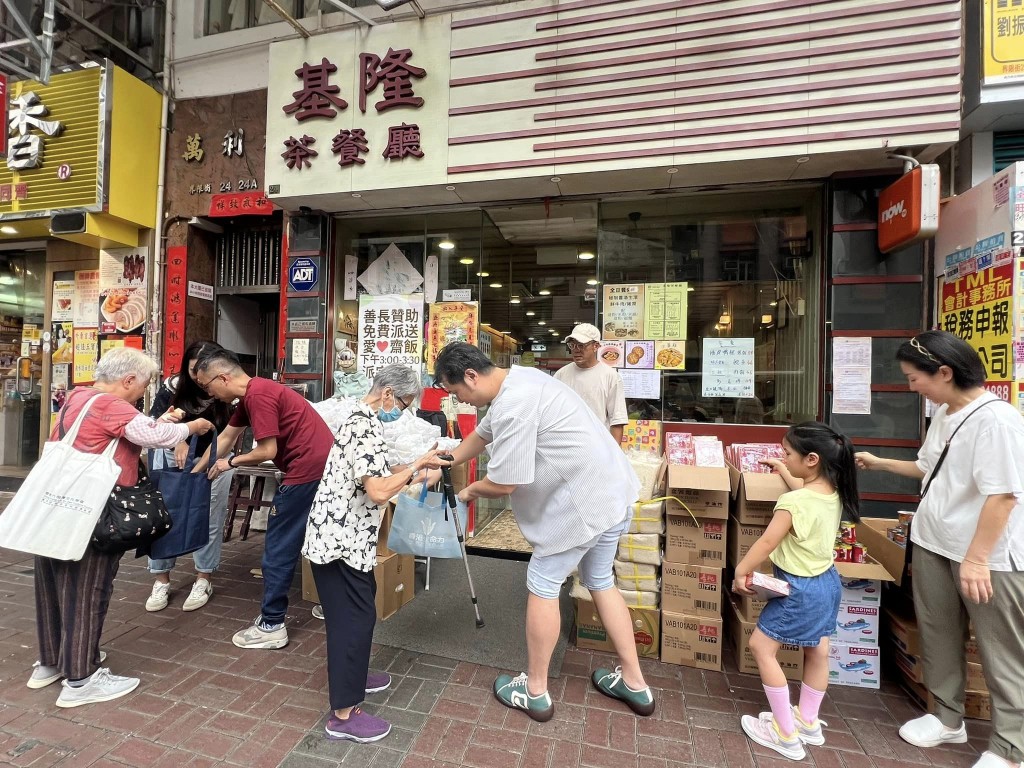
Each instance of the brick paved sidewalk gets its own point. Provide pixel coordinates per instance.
(203, 702)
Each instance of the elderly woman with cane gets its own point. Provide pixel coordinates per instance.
(968, 537)
(341, 545)
(72, 596)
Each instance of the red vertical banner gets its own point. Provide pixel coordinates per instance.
(282, 341)
(174, 309)
(4, 101)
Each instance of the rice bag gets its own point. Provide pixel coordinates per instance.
(640, 548)
(648, 518)
(637, 576)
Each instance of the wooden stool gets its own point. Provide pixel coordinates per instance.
(238, 499)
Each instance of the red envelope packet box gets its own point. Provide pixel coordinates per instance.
(766, 587)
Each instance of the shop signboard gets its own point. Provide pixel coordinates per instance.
(1003, 42)
(908, 209)
(123, 303)
(390, 332)
(978, 308)
(3, 114)
(450, 321)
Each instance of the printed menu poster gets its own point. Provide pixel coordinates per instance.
(611, 353)
(62, 344)
(639, 354)
(851, 375)
(641, 385)
(63, 310)
(728, 368)
(122, 290)
(450, 321)
(623, 312)
(86, 346)
(670, 355)
(390, 332)
(85, 304)
(665, 310)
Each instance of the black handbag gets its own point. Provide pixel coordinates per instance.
(135, 516)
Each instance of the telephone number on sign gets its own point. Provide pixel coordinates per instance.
(1000, 389)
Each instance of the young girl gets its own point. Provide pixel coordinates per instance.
(820, 468)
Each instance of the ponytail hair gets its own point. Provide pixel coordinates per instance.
(835, 451)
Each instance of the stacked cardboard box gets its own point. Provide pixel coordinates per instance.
(396, 583)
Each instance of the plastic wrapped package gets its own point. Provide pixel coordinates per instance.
(647, 467)
(635, 599)
(334, 410)
(648, 518)
(640, 548)
(409, 437)
(637, 576)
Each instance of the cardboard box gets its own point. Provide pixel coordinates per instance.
(385, 528)
(591, 634)
(695, 543)
(692, 641)
(973, 654)
(892, 557)
(766, 587)
(910, 666)
(856, 666)
(903, 632)
(858, 591)
(691, 589)
(790, 657)
(976, 678)
(749, 607)
(396, 584)
(704, 491)
(754, 495)
(741, 538)
(857, 625)
(977, 704)
(872, 570)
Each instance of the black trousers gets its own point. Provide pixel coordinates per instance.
(350, 613)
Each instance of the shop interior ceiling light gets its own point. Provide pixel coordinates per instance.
(585, 256)
(446, 245)
(531, 313)
(542, 322)
(593, 281)
(544, 292)
(465, 260)
(514, 300)
(7, 229)
(496, 285)
(483, 274)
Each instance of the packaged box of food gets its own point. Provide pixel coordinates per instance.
(766, 587)
(857, 624)
(692, 641)
(857, 666)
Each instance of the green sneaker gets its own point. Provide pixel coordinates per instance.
(511, 691)
(611, 684)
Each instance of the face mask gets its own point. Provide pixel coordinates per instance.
(388, 416)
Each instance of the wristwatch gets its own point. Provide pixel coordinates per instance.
(231, 458)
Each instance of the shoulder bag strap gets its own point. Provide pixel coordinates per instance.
(73, 433)
(945, 448)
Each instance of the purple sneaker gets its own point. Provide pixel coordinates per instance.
(360, 726)
(377, 682)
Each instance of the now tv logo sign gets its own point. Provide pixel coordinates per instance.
(894, 210)
(908, 209)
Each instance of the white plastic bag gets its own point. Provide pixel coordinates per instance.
(54, 513)
(648, 470)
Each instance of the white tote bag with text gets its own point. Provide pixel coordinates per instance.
(54, 513)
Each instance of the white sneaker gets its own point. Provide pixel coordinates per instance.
(928, 731)
(992, 760)
(157, 599)
(256, 637)
(102, 686)
(44, 676)
(809, 733)
(318, 612)
(765, 731)
(198, 597)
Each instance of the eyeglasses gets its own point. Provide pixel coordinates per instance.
(920, 348)
(572, 346)
(405, 405)
(206, 387)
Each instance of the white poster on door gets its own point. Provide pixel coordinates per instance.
(390, 332)
(728, 369)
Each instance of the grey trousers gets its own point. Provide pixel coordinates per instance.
(943, 616)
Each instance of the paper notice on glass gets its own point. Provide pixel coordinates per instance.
(641, 384)
(300, 352)
(728, 368)
(351, 268)
(851, 375)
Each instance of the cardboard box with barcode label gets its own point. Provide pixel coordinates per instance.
(695, 590)
(396, 583)
(754, 495)
(695, 542)
(691, 641)
(857, 624)
(790, 657)
(703, 490)
(741, 538)
(856, 666)
(591, 634)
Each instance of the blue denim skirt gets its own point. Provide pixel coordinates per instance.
(808, 613)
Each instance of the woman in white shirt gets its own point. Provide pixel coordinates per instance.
(968, 537)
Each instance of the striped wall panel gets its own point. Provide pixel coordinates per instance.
(615, 84)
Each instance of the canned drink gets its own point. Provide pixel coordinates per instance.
(900, 538)
(837, 554)
(905, 518)
(845, 553)
(858, 553)
(849, 532)
(891, 532)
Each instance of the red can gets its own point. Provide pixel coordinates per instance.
(848, 531)
(858, 553)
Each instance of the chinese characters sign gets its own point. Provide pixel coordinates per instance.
(174, 308)
(450, 321)
(390, 332)
(1003, 42)
(623, 312)
(728, 368)
(978, 308)
(665, 310)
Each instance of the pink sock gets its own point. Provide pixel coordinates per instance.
(778, 700)
(810, 703)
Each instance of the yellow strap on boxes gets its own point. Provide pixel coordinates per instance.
(636, 578)
(631, 547)
(664, 498)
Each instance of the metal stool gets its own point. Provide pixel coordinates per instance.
(238, 499)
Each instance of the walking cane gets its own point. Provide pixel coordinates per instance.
(449, 494)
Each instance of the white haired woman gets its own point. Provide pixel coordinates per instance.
(341, 545)
(72, 596)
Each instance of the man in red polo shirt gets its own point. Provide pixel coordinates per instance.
(290, 433)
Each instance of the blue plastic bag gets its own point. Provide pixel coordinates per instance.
(187, 497)
(425, 527)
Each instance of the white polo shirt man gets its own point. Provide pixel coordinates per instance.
(598, 384)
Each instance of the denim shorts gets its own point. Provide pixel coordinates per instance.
(808, 613)
(546, 575)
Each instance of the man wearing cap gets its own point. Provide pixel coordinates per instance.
(599, 385)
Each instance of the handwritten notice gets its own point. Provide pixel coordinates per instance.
(728, 368)
(851, 375)
(86, 301)
(665, 310)
(639, 384)
(390, 332)
(86, 345)
(623, 312)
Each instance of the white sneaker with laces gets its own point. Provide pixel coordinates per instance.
(102, 686)
(199, 596)
(765, 731)
(44, 676)
(928, 731)
(809, 733)
(157, 599)
(257, 637)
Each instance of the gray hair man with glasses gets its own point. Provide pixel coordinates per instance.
(598, 384)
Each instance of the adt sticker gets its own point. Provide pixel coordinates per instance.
(303, 274)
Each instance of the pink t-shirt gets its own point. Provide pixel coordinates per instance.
(106, 419)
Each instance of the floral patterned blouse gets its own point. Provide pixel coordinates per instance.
(343, 522)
